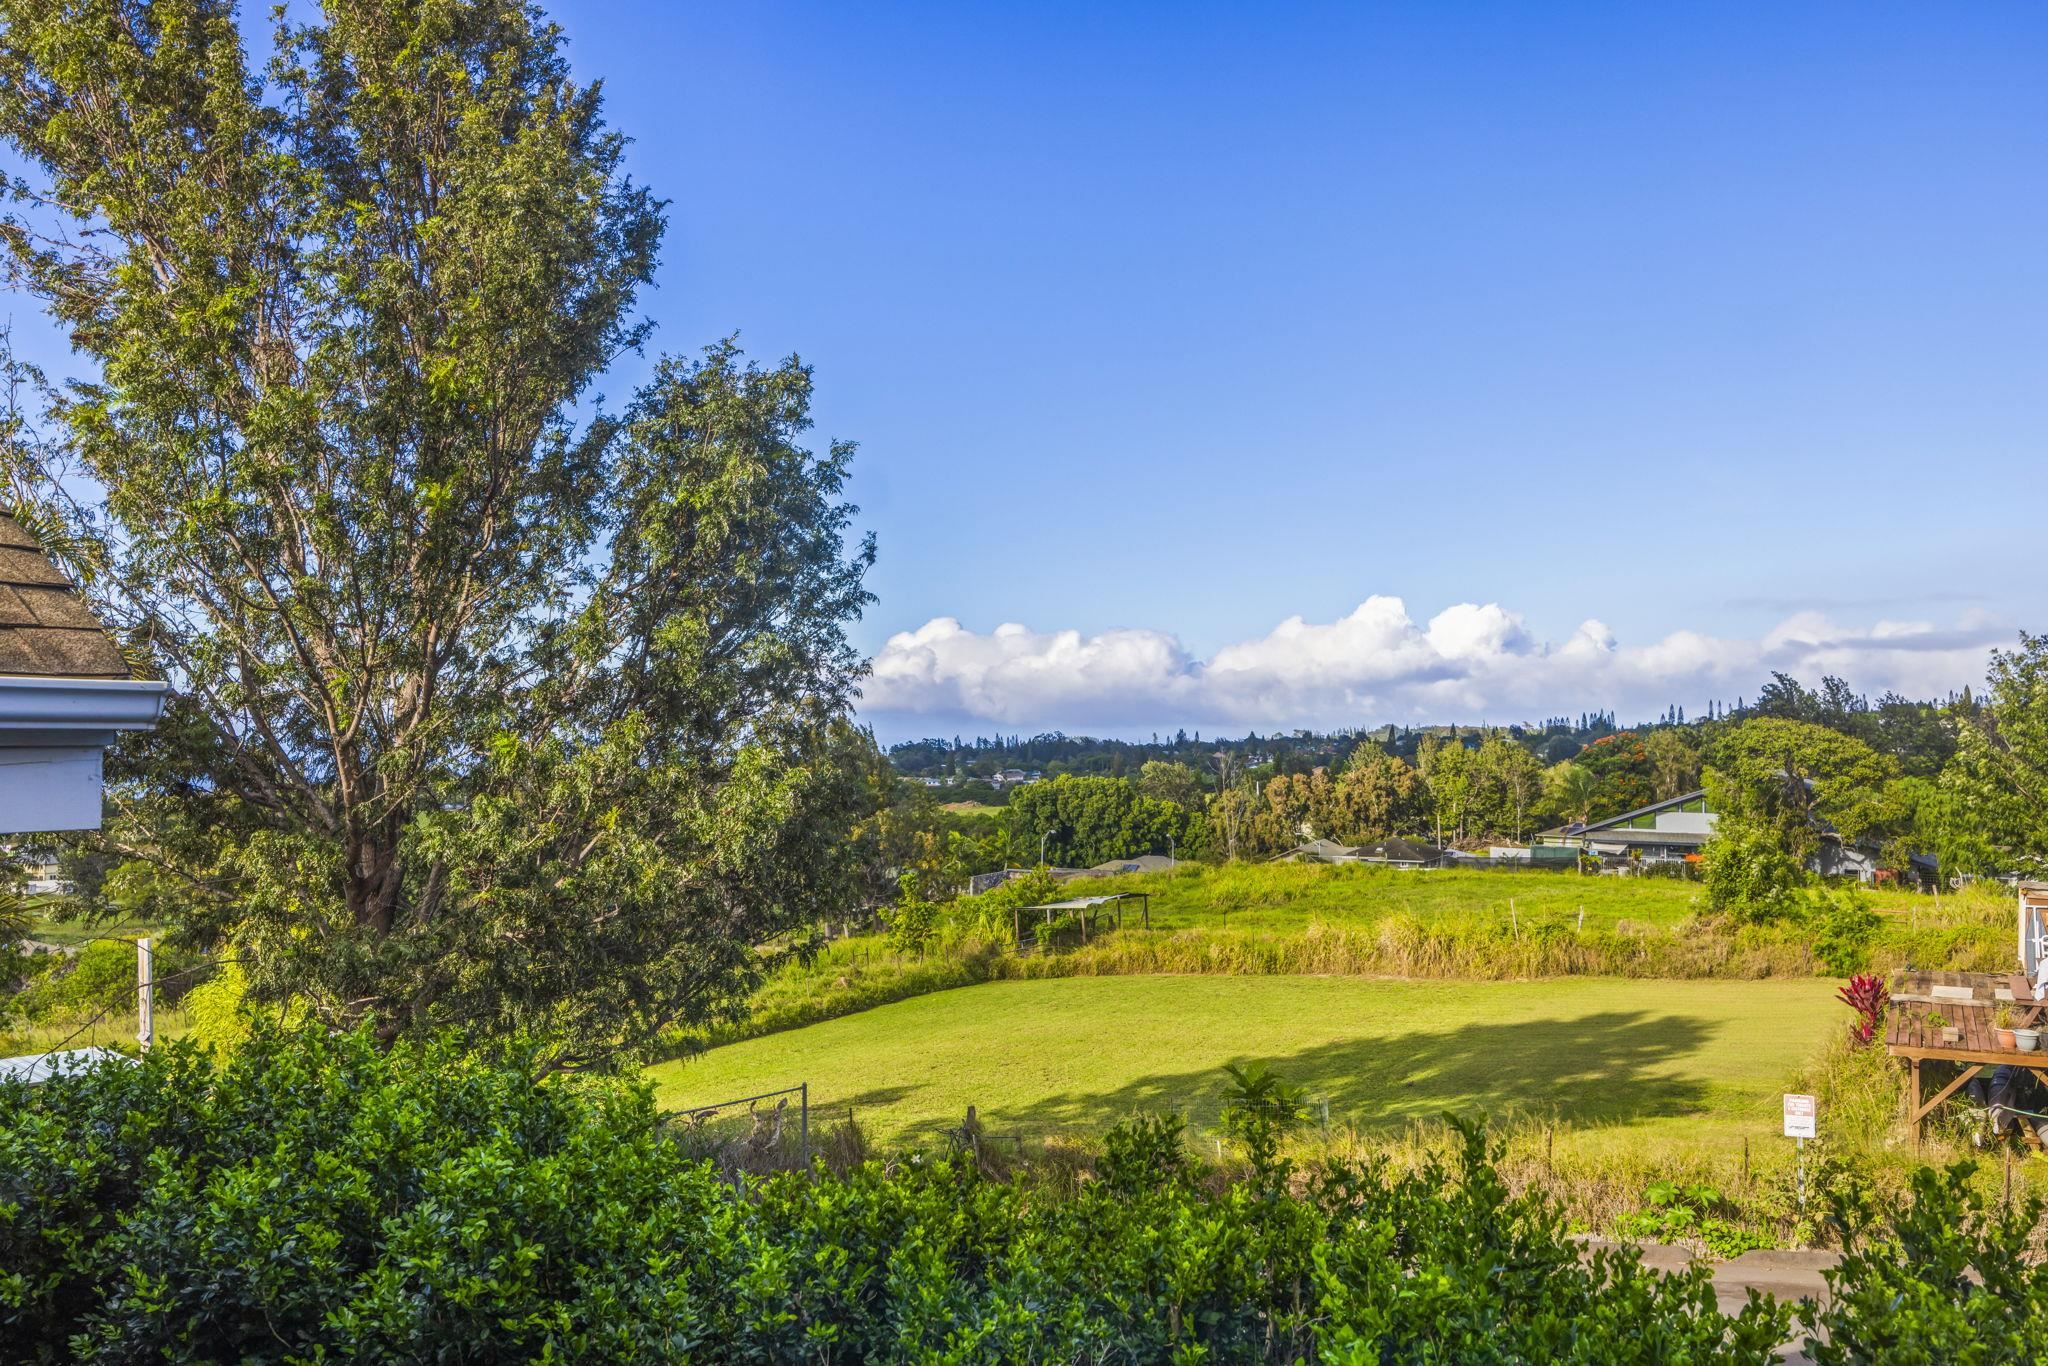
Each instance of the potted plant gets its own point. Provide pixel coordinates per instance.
(2001, 1020)
(2028, 1039)
(1949, 1033)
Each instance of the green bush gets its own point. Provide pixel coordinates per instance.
(1677, 1212)
(1747, 873)
(1945, 1278)
(1844, 927)
(100, 977)
(312, 1197)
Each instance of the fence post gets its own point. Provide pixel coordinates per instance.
(804, 1125)
(145, 993)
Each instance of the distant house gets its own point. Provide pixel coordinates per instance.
(40, 870)
(1142, 863)
(1402, 853)
(1662, 832)
(1676, 831)
(1317, 851)
(978, 883)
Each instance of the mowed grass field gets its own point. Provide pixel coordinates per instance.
(1624, 1063)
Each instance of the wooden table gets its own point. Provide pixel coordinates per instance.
(1907, 1036)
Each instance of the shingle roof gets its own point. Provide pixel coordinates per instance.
(46, 630)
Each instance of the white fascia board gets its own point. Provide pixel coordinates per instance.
(80, 706)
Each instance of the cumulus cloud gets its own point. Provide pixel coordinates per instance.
(1469, 662)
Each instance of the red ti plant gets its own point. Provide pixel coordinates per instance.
(1868, 997)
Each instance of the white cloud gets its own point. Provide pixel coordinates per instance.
(1469, 662)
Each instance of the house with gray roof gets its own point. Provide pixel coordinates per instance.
(1662, 832)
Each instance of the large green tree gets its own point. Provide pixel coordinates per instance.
(1996, 787)
(1083, 821)
(493, 708)
(1802, 781)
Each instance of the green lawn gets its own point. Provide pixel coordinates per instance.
(1697, 1063)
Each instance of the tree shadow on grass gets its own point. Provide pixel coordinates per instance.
(873, 1097)
(1616, 1067)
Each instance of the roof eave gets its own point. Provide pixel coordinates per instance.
(83, 705)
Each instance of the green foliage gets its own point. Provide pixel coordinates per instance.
(1144, 1153)
(1094, 820)
(495, 708)
(460, 1211)
(1621, 764)
(1997, 787)
(1746, 871)
(912, 921)
(1168, 781)
(1676, 1212)
(1943, 1277)
(1802, 781)
(1573, 791)
(1844, 926)
(1479, 1243)
(1263, 1108)
(101, 978)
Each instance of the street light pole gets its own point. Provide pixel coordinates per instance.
(1171, 861)
(1041, 847)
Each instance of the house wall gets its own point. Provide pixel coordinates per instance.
(1686, 822)
(49, 789)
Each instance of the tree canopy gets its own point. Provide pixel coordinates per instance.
(494, 708)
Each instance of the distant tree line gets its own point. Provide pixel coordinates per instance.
(1958, 780)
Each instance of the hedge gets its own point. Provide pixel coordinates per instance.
(311, 1197)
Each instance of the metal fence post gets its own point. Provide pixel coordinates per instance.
(804, 1123)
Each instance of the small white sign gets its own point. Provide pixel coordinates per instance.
(1799, 1113)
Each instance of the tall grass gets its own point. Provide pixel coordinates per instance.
(112, 1030)
(1293, 919)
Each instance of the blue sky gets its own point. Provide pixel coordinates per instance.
(1658, 326)
(1190, 319)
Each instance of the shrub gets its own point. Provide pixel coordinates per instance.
(1943, 1279)
(1843, 927)
(1675, 1211)
(314, 1197)
(1746, 872)
(101, 977)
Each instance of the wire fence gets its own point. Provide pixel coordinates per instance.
(747, 1135)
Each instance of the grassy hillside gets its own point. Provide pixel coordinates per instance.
(1687, 1063)
(1355, 920)
(1289, 896)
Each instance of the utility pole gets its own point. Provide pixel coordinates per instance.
(145, 994)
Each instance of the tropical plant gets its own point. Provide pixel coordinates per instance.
(1573, 790)
(1869, 997)
(1844, 926)
(2000, 772)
